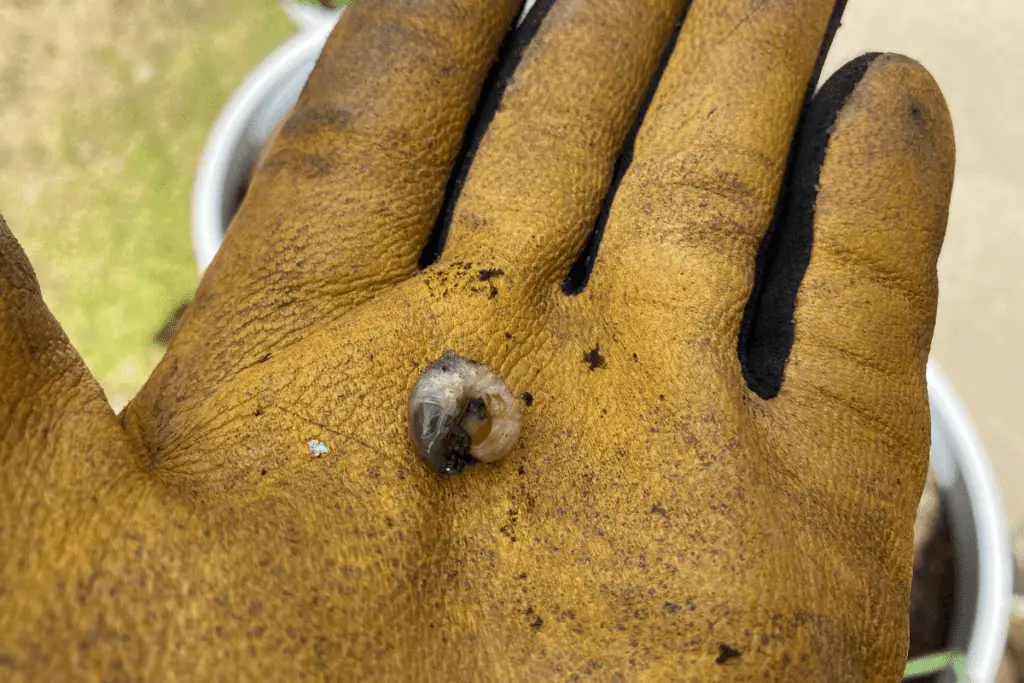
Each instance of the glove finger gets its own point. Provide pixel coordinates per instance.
(709, 158)
(348, 195)
(546, 151)
(855, 248)
(60, 442)
(874, 203)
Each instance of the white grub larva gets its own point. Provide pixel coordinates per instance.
(460, 411)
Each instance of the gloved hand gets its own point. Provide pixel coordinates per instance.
(718, 472)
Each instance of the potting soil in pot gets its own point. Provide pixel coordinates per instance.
(931, 591)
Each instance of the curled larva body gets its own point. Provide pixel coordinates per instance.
(460, 411)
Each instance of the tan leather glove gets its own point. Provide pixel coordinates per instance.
(718, 474)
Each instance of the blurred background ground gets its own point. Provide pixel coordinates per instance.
(104, 106)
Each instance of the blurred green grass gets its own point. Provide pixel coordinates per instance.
(107, 230)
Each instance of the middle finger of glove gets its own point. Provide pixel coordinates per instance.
(540, 160)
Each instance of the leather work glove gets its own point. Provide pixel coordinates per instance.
(724, 436)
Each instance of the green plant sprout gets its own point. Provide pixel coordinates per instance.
(934, 663)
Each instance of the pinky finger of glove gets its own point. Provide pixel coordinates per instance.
(865, 215)
(839, 328)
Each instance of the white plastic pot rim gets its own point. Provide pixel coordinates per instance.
(217, 157)
(952, 427)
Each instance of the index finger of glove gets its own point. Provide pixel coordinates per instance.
(349, 193)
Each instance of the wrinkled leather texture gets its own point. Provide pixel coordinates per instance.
(657, 521)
